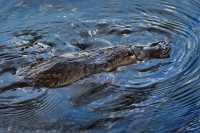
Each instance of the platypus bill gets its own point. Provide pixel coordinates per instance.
(68, 68)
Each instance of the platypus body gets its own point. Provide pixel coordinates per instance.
(68, 68)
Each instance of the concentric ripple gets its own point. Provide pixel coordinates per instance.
(157, 95)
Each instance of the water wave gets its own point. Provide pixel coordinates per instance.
(153, 96)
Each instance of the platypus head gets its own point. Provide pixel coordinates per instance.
(125, 55)
(156, 50)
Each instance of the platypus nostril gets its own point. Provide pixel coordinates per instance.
(164, 49)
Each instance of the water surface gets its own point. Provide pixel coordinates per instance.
(155, 96)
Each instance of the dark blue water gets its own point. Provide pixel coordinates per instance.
(155, 96)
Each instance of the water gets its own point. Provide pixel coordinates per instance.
(155, 96)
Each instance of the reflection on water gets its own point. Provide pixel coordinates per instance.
(154, 96)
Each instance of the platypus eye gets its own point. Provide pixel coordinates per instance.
(140, 54)
(130, 54)
(158, 43)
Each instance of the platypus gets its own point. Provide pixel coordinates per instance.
(68, 68)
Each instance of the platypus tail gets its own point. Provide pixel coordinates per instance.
(14, 86)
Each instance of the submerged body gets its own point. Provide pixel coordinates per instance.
(68, 68)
